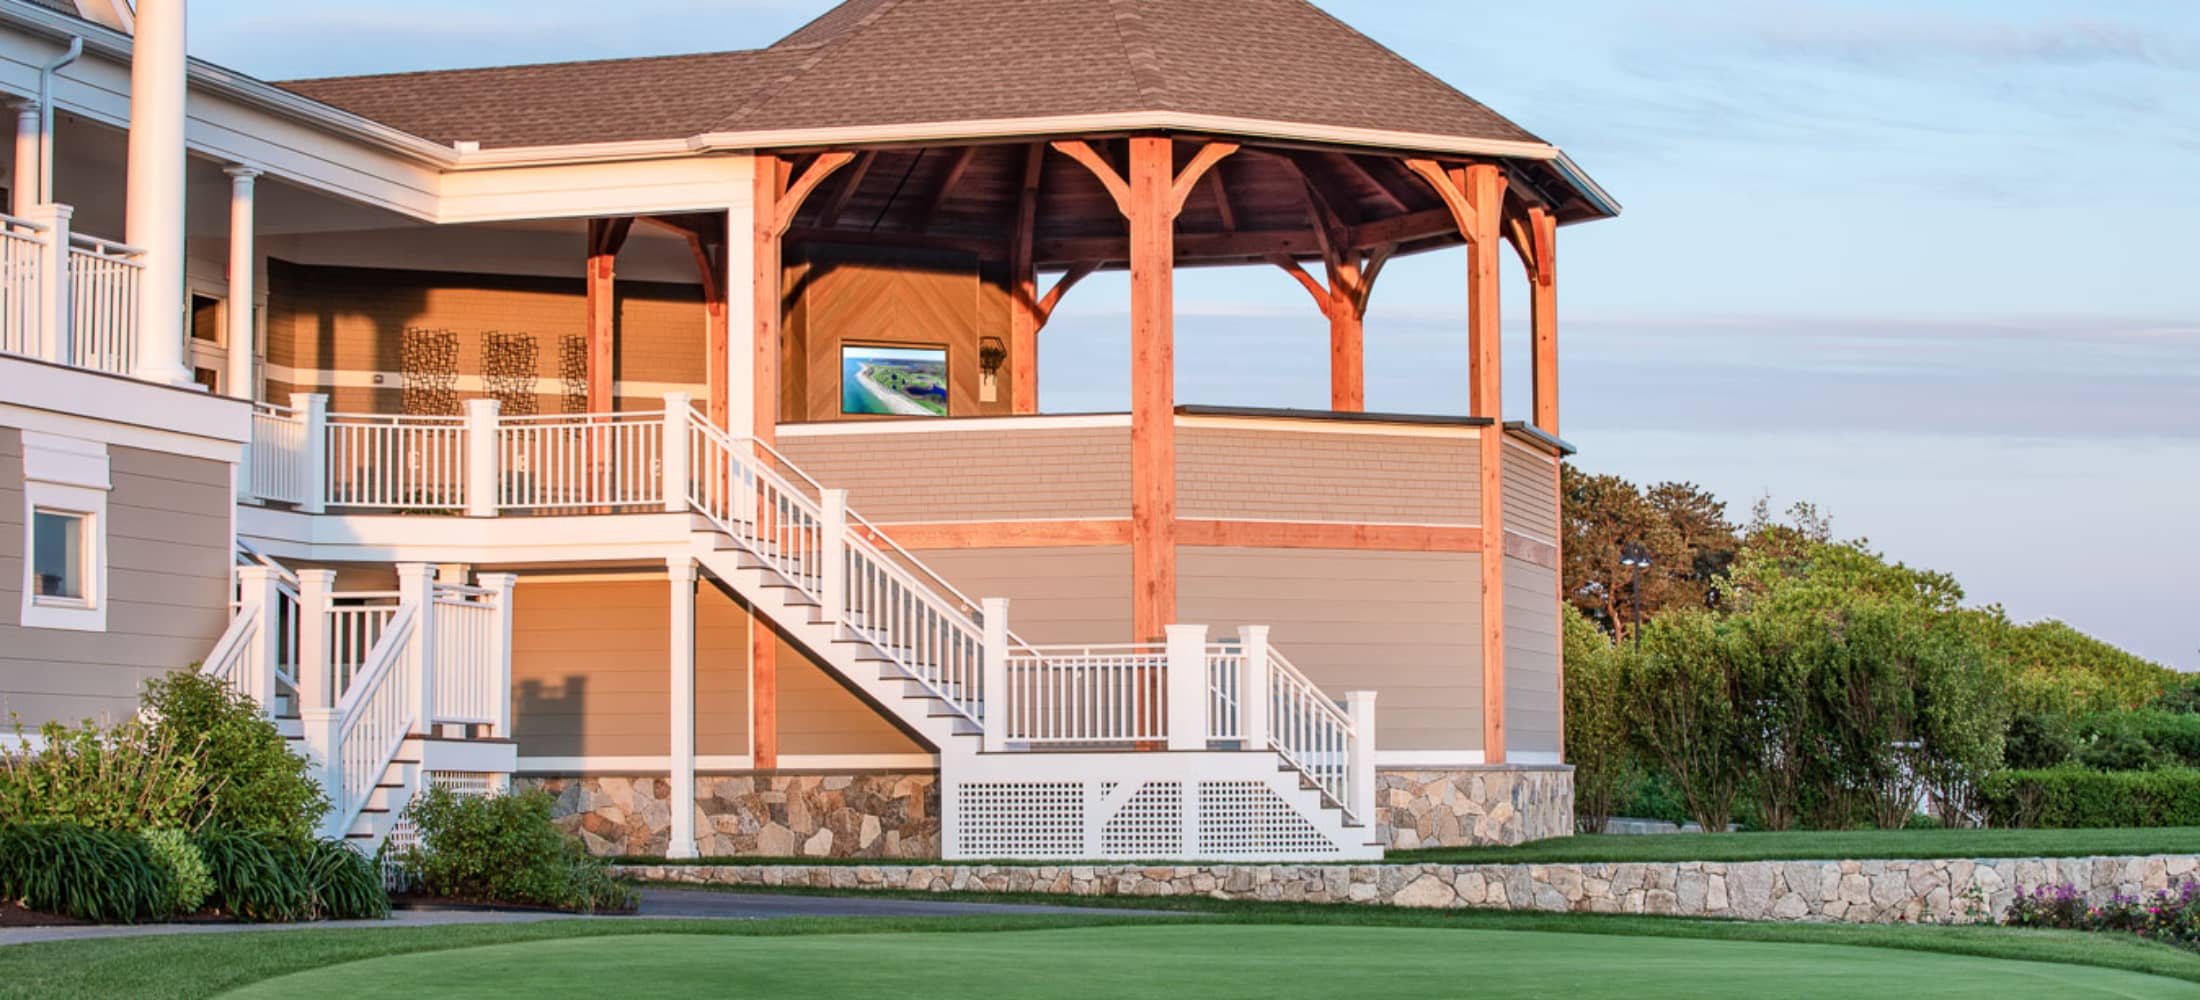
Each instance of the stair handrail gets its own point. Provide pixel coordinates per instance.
(229, 650)
(372, 721)
(1309, 731)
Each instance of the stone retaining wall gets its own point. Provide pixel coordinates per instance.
(1484, 806)
(1885, 892)
(883, 815)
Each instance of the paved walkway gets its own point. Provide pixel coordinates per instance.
(665, 904)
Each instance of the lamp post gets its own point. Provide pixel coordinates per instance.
(1636, 556)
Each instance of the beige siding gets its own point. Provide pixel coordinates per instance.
(1406, 625)
(974, 475)
(168, 542)
(1531, 492)
(591, 677)
(1077, 595)
(1278, 474)
(1531, 657)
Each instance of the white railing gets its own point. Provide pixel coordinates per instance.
(22, 243)
(229, 663)
(280, 463)
(103, 282)
(467, 673)
(356, 624)
(563, 463)
(1085, 695)
(1226, 692)
(372, 721)
(1311, 732)
(396, 462)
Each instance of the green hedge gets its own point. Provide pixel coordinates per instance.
(97, 875)
(2075, 798)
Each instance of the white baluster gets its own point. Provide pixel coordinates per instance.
(312, 409)
(679, 408)
(1360, 705)
(482, 494)
(994, 683)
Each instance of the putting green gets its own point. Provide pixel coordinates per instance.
(1190, 962)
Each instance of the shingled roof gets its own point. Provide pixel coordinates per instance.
(871, 63)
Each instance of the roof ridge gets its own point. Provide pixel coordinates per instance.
(1139, 52)
(1414, 66)
(764, 95)
(505, 67)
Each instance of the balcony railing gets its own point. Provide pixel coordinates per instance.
(66, 297)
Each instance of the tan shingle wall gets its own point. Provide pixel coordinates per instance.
(1531, 492)
(1286, 475)
(981, 475)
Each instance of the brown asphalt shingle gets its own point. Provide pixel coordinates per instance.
(893, 62)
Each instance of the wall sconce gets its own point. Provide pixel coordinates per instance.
(991, 354)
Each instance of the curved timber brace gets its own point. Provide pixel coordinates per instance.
(1029, 310)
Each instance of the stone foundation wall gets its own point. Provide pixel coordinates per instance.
(1474, 807)
(765, 815)
(1883, 892)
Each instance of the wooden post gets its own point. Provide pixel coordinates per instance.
(1347, 347)
(605, 236)
(1476, 195)
(1153, 387)
(1543, 289)
(1024, 318)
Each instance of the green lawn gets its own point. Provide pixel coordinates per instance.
(1845, 845)
(1223, 961)
(1230, 950)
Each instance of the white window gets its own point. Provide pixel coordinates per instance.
(64, 533)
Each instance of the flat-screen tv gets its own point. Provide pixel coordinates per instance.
(893, 381)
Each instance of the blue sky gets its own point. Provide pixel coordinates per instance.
(1930, 264)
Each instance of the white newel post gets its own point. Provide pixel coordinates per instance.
(481, 457)
(678, 408)
(832, 534)
(312, 408)
(1186, 685)
(154, 200)
(1253, 696)
(993, 679)
(681, 838)
(501, 585)
(256, 588)
(1360, 706)
(243, 285)
(316, 695)
(56, 331)
(416, 590)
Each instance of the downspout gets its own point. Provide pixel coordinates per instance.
(45, 117)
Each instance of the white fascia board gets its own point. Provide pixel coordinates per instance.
(957, 425)
(186, 421)
(393, 538)
(1177, 121)
(593, 190)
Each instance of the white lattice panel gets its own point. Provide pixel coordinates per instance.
(1148, 826)
(1021, 819)
(1248, 819)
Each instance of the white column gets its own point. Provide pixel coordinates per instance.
(678, 408)
(243, 284)
(256, 589)
(23, 193)
(1186, 687)
(502, 585)
(681, 571)
(416, 590)
(154, 205)
(481, 457)
(312, 408)
(315, 686)
(1360, 706)
(740, 278)
(832, 531)
(1253, 692)
(994, 679)
(56, 332)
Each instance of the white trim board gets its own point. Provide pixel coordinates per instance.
(611, 766)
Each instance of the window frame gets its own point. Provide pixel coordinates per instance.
(66, 476)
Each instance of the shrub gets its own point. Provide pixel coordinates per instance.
(189, 881)
(1682, 698)
(504, 849)
(1596, 722)
(345, 885)
(2138, 741)
(257, 876)
(2171, 916)
(264, 787)
(2076, 798)
(74, 871)
(128, 777)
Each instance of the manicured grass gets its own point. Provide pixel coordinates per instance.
(1847, 845)
(1578, 949)
(1195, 963)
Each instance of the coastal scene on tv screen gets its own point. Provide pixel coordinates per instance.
(893, 381)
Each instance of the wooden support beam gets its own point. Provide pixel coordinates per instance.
(1223, 208)
(1353, 166)
(1110, 178)
(797, 191)
(955, 172)
(1208, 157)
(847, 193)
(763, 693)
(717, 326)
(605, 237)
(1151, 206)
(778, 195)
(1543, 291)
(1290, 265)
(1024, 320)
